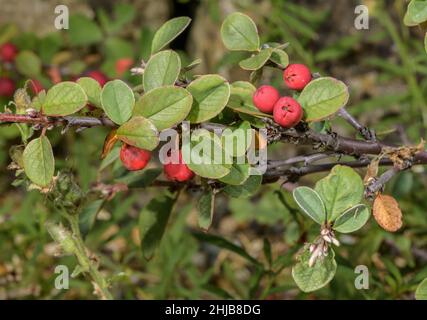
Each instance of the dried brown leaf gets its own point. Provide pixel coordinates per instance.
(109, 142)
(387, 212)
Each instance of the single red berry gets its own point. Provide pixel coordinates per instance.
(265, 97)
(7, 87)
(36, 86)
(296, 76)
(178, 171)
(287, 112)
(98, 76)
(123, 65)
(134, 158)
(8, 52)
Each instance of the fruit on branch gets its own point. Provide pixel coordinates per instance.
(296, 76)
(123, 65)
(134, 158)
(287, 112)
(98, 76)
(265, 97)
(36, 86)
(8, 52)
(178, 171)
(7, 87)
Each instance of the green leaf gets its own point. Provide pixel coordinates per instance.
(210, 96)
(88, 215)
(224, 244)
(239, 32)
(83, 31)
(416, 13)
(168, 32)
(421, 292)
(206, 206)
(152, 223)
(164, 106)
(352, 219)
(63, 99)
(92, 88)
(425, 42)
(241, 93)
(257, 61)
(310, 203)
(205, 156)
(340, 190)
(323, 97)
(162, 69)
(39, 163)
(280, 57)
(139, 132)
(28, 63)
(238, 174)
(237, 140)
(117, 101)
(319, 275)
(247, 189)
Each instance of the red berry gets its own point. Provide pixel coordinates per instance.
(296, 76)
(98, 76)
(178, 171)
(36, 86)
(8, 52)
(7, 87)
(123, 65)
(265, 97)
(134, 158)
(287, 112)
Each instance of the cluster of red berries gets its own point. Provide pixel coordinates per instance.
(134, 159)
(286, 110)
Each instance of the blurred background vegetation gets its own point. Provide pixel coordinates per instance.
(249, 249)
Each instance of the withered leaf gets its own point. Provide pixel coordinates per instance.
(372, 171)
(109, 142)
(387, 213)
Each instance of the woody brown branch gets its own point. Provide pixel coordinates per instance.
(328, 141)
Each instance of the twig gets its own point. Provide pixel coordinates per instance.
(366, 133)
(379, 183)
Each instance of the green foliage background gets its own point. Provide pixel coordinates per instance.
(248, 252)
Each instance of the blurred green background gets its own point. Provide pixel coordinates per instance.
(385, 68)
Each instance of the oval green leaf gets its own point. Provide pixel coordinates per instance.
(117, 101)
(210, 95)
(323, 97)
(165, 106)
(139, 132)
(63, 99)
(39, 163)
(239, 32)
(245, 190)
(319, 275)
(205, 156)
(92, 88)
(352, 219)
(237, 140)
(169, 31)
(257, 61)
(340, 190)
(416, 13)
(162, 69)
(239, 173)
(310, 203)
(280, 57)
(28, 63)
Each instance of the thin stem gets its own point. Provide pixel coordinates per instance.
(101, 285)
